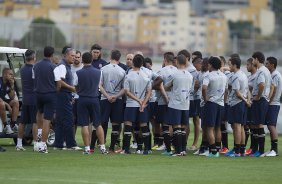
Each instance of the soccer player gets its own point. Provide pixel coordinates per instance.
(213, 91)
(129, 58)
(28, 114)
(111, 87)
(88, 108)
(260, 93)
(274, 105)
(196, 54)
(45, 88)
(64, 115)
(237, 110)
(162, 116)
(249, 128)
(180, 84)
(97, 62)
(137, 87)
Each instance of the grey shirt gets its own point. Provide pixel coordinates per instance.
(239, 81)
(138, 84)
(216, 83)
(229, 75)
(112, 79)
(277, 82)
(194, 74)
(181, 83)
(251, 79)
(262, 76)
(201, 79)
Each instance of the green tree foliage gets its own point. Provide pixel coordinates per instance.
(43, 32)
(243, 29)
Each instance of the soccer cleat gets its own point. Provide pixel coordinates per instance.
(223, 150)
(42, 148)
(15, 128)
(167, 153)
(8, 129)
(196, 152)
(205, 153)
(58, 148)
(211, 155)
(161, 148)
(272, 153)
(155, 147)
(35, 146)
(256, 154)
(20, 148)
(86, 152)
(248, 151)
(229, 153)
(75, 148)
(234, 155)
(133, 145)
(177, 155)
(139, 152)
(184, 153)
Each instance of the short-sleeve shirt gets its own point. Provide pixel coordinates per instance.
(182, 83)
(239, 81)
(194, 73)
(277, 82)
(27, 85)
(152, 76)
(138, 84)
(165, 74)
(112, 79)
(201, 79)
(262, 76)
(229, 75)
(216, 83)
(99, 63)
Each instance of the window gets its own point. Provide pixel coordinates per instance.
(145, 21)
(172, 43)
(163, 33)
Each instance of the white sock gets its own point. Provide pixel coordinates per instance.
(39, 131)
(19, 142)
(87, 148)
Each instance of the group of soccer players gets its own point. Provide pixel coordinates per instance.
(135, 98)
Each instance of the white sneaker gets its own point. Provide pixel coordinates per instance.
(35, 146)
(196, 153)
(103, 149)
(75, 148)
(133, 145)
(42, 148)
(15, 128)
(20, 148)
(8, 129)
(206, 153)
(161, 148)
(272, 153)
(139, 152)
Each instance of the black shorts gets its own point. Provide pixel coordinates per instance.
(212, 114)
(260, 108)
(46, 104)
(88, 110)
(178, 117)
(28, 114)
(133, 115)
(113, 111)
(238, 113)
(272, 115)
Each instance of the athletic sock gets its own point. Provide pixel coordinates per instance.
(224, 136)
(247, 134)
(114, 136)
(255, 142)
(261, 139)
(242, 149)
(167, 138)
(217, 146)
(145, 137)
(178, 140)
(93, 140)
(274, 146)
(212, 149)
(252, 138)
(126, 137)
(237, 148)
(183, 139)
(19, 142)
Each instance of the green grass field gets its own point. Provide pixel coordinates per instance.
(72, 167)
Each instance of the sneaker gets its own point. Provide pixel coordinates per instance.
(184, 153)
(86, 152)
(196, 152)
(2, 149)
(35, 146)
(139, 152)
(59, 148)
(168, 153)
(155, 147)
(8, 129)
(272, 153)
(229, 153)
(234, 155)
(223, 150)
(119, 150)
(161, 148)
(256, 154)
(20, 148)
(133, 145)
(176, 155)
(75, 148)
(213, 155)
(92, 150)
(15, 128)
(248, 151)
(206, 153)
(42, 148)
(193, 148)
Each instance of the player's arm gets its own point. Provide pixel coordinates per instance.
(132, 96)
(205, 93)
(157, 82)
(272, 92)
(260, 91)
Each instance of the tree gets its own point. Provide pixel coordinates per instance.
(43, 32)
(242, 29)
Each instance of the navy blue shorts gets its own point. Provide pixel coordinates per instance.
(152, 109)
(113, 111)
(237, 113)
(212, 114)
(178, 117)
(46, 104)
(133, 115)
(272, 115)
(88, 110)
(260, 108)
(225, 112)
(74, 111)
(162, 116)
(28, 114)
(194, 109)
(250, 117)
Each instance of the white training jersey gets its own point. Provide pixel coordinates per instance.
(201, 79)
(262, 76)
(277, 82)
(239, 81)
(191, 68)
